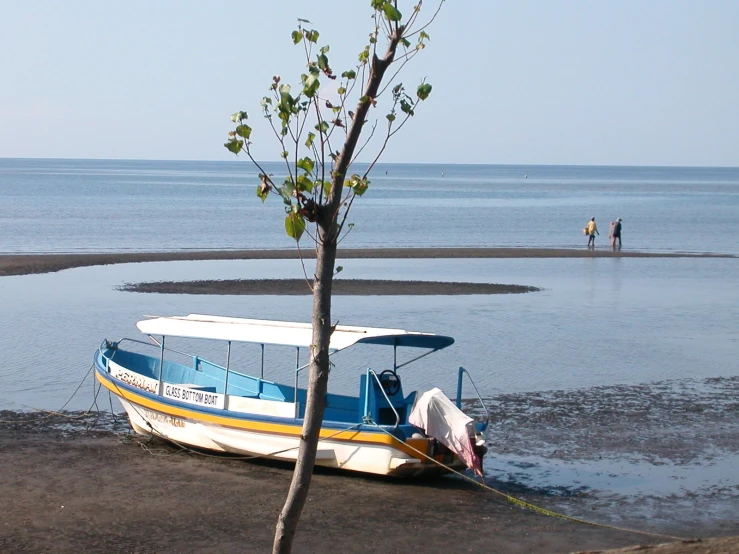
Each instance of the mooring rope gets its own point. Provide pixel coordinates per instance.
(59, 413)
(529, 505)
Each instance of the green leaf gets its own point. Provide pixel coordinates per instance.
(322, 126)
(294, 225)
(304, 183)
(377, 4)
(358, 184)
(325, 49)
(322, 61)
(243, 131)
(287, 188)
(309, 140)
(285, 97)
(234, 145)
(310, 85)
(297, 36)
(238, 116)
(326, 188)
(390, 117)
(424, 89)
(264, 187)
(341, 91)
(303, 20)
(261, 193)
(391, 12)
(350, 74)
(312, 36)
(364, 54)
(339, 268)
(405, 42)
(306, 164)
(284, 154)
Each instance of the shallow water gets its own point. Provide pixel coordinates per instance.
(661, 455)
(597, 321)
(661, 328)
(124, 205)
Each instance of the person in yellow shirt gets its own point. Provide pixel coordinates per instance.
(592, 229)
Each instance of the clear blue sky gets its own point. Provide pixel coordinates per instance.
(622, 82)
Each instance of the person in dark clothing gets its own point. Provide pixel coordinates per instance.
(616, 233)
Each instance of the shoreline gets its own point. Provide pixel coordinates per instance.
(27, 264)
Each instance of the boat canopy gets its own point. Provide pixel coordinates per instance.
(284, 333)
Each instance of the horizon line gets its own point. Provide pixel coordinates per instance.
(444, 164)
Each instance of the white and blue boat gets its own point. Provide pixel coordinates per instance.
(194, 402)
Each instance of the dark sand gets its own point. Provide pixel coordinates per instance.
(70, 486)
(22, 264)
(298, 287)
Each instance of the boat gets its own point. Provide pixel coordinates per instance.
(197, 403)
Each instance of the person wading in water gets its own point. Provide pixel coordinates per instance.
(591, 229)
(616, 233)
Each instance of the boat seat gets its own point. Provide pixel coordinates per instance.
(378, 406)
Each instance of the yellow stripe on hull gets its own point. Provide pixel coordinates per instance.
(353, 436)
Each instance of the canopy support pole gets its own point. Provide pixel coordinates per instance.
(161, 368)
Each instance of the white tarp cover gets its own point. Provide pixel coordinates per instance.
(441, 419)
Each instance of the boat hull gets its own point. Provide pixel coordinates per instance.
(362, 447)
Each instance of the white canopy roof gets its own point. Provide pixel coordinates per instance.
(282, 332)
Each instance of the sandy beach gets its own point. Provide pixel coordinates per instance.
(84, 483)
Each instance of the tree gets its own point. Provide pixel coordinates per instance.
(319, 190)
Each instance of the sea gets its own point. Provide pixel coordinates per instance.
(596, 322)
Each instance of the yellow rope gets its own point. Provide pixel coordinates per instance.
(528, 505)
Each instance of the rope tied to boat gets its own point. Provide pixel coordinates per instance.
(529, 505)
(59, 413)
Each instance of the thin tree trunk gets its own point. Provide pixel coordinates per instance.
(316, 402)
(287, 522)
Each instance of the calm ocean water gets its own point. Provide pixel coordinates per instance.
(97, 205)
(596, 323)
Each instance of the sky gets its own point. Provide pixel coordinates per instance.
(611, 82)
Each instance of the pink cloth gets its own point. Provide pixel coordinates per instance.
(441, 419)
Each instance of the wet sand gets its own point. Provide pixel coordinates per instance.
(299, 287)
(23, 264)
(84, 483)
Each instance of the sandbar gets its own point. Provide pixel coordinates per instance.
(24, 264)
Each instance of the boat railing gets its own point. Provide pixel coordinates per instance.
(461, 374)
(372, 373)
(298, 369)
(113, 345)
(106, 344)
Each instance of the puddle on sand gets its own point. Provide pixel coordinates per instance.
(663, 452)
